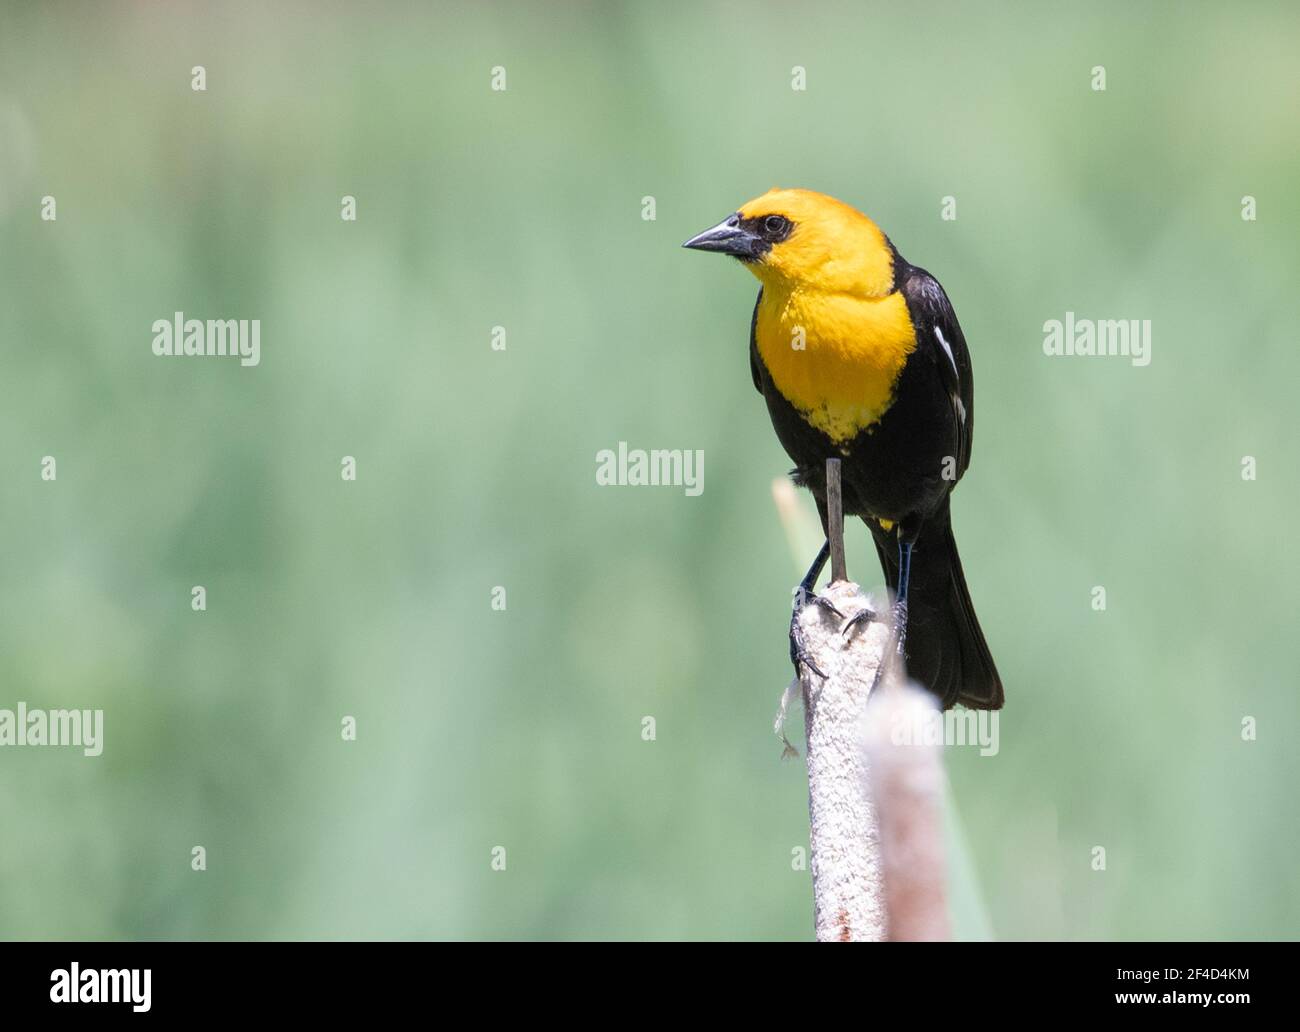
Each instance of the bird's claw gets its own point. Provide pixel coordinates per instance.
(860, 618)
(898, 612)
(799, 654)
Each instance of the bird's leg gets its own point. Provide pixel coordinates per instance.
(898, 612)
(900, 602)
(898, 636)
(805, 596)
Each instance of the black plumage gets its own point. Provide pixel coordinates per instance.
(902, 470)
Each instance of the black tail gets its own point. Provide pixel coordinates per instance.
(946, 650)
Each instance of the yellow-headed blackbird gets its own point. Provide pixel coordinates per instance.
(859, 355)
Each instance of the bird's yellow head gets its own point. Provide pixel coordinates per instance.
(801, 239)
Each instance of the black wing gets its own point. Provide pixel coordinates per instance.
(938, 334)
(753, 345)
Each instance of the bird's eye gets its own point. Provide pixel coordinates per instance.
(775, 225)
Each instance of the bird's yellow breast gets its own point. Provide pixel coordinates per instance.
(835, 357)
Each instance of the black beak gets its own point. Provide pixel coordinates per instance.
(729, 237)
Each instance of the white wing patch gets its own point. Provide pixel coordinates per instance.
(947, 351)
(961, 409)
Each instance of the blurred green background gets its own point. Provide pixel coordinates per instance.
(522, 209)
